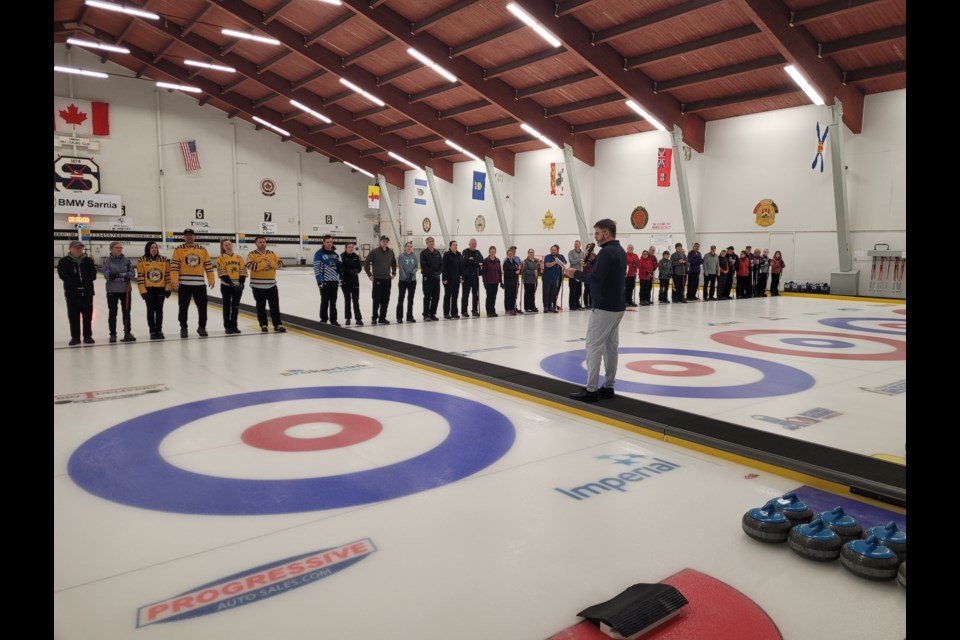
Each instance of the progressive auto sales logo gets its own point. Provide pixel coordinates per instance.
(255, 584)
(630, 469)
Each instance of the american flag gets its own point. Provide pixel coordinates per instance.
(191, 161)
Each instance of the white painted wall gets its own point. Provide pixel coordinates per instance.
(309, 187)
(747, 159)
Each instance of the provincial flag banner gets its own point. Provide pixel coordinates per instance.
(373, 196)
(81, 117)
(420, 191)
(479, 184)
(191, 161)
(558, 178)
(664, 160)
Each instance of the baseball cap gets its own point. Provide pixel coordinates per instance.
(76, 243)
(385, 238)
(189, 231)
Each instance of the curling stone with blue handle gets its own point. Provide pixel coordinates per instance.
(792, 507)
(892, 537)
(815, 541)
(869, 559)
(767, 524)
(842, 524)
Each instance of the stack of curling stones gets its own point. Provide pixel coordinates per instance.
(878, 553)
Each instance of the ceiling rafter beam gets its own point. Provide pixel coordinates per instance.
(694, 45)
(554, 84)
(800, 47)
(370, 152)
(875, 72)
(325, 29)
(273, 14)
(580, 105)
(416, 142)
(607, 63)
(606, 124)
(605, 35)
(372, 111)
(277, 84)
(862, 40)
(569, 6)
(387, 78)
(233, 84)
(473, 43)
(510, 142)
(195, 20)
(241, 106)
(426, 93)
(339, 142)
(446, 153)
(262, 100)
(163, 50)
(825, 10)
(464, 108)
(725, 101)
(337, 97)
(363, 53)
(519, 63)
(233, 44)
(307, 79)
(397, 126)
(273, 61)
(722, 72)
(396, 99)
(423, 23)
(493, 124)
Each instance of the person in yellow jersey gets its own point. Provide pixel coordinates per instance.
(262, 265)
(189, 264)
(153, 280)
(232, 273)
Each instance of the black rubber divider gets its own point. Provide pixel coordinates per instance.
(864, 475)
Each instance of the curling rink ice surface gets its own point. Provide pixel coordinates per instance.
(265, 486)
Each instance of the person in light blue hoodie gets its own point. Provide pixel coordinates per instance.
(408, 264)
(119, 272)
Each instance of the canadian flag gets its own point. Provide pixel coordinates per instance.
(81, 117)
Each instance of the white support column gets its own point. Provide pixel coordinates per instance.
(686, 210)
(575, 193)
(385, 199)
(847, 280)
(236, 184)
(163, 206)
(498, 204)
(437, 207)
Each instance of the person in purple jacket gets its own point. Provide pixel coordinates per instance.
(492, 275)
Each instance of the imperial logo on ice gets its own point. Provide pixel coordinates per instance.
(255, 584)
(641, 468)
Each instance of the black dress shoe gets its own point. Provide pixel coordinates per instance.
(74, 341)
(585, 396)
(202, 332)
(606, 392)
(409, 319)
(384, 321)
(88, 340)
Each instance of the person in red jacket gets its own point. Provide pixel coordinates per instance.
(743, 276)
(645, 273)
(777, 266)
(630, 280)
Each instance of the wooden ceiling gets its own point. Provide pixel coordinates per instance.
(686, 62)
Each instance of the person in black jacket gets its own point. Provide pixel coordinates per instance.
(350, 283)
(452, 275)
(431, 267)
(78, 271)
(472, 261)
(603, 327)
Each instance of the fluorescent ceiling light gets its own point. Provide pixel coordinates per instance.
(646, 116)
(304, 107)
(274, 127)
(433, 65)
(207, 65)
(80, 72)
(533, 24)
(356, 168)
(97, 45)
(372, 98)
(807, 88)
(133, 11)
(249, 36)
(462, 150)
(337, 3)
(402, 159)
(178, 87)
(537, 134)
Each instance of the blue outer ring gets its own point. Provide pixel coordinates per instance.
(778, 379)
(809, 342)
(847, 323)
(123, 463)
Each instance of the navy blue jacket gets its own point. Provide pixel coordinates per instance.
(606, 278)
